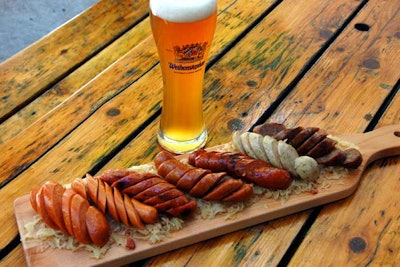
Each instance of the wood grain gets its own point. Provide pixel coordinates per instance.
(380, 142)
(109, 123)
(19, 83)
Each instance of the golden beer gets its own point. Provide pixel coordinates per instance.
(183, 41)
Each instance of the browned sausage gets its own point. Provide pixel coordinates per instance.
(79, 187)
(66, 210)
(132, 179)
(224, 189)
(101, 197)
(269, 129)
(132, 213)
(110, 176)
(151, 190)
(79, 207)
(92, 187)
(322, 148)
(240, 195)
(97, 226)
(112, 210)
(119, 205)
(206, 183)
(53, 193)
(70, 210)
(353, 158)
(146, 213)
(41, 210)
(300, 138)
(32, 197)
(199, 182)
(183, 210)
(313, 142)
(252, 170)
(163, 197)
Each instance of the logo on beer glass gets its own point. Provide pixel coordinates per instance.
(190, 53)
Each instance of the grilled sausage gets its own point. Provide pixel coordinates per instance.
(53, 193)
(152, 190)
(64, 209)
(97, 224)
(201, 183)
(242, 166)
(312, 142)
(118, 204)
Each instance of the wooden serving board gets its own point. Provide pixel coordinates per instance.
(380, 143)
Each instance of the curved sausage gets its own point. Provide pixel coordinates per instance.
(147, 213)
(97, 226)
(119, 205)
(79, 207)
(111, 203)
(41, 210)
(66, 210)
(133, 214)
(313, 142)
(152, 190)
(112, 175)
(32, 197)
(72, 212)
(252, 170)
(79, 187)
(199, 182)
(53, 193)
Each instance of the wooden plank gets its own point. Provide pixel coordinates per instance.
(53, 56)
(60, 92)
(382, 141)
(365, 225)
(109, 125)
(14, 258)
(360, 67)
(263, 80)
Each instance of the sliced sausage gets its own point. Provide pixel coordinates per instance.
(52, 194)
(66, 210)
(79, 207)
(312, 141)
(146, 213)
(32, 197)
(133, 215)
(353, 158)
(119, 205)
(111, 208)
(300, 138)
(224, 189)
(97, 226)
(41, 210)
(269, 129)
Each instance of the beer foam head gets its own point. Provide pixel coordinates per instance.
(183, 10)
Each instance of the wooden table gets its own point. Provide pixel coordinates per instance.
(87, 97)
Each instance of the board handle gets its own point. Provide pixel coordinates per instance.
(379, 143)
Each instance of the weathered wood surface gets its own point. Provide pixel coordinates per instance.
(59, 53)
(107, 123)
(265, 64)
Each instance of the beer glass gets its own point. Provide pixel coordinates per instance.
(183, 31)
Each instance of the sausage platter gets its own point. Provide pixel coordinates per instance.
(380, 143)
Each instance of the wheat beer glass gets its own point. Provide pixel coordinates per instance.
(183, 31)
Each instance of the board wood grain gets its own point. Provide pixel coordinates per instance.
(377, 144)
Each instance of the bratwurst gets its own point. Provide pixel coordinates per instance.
(201, 183)
(242, 166)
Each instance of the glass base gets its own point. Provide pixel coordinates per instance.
(182, 147)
